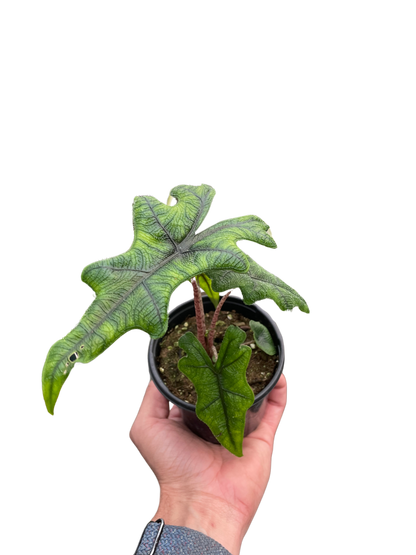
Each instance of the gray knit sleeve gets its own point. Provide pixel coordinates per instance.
(176, 540)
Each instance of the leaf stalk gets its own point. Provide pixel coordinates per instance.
(206, 338)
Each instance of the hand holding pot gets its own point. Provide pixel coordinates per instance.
(202, 485)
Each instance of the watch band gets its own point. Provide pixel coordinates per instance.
(139, 539)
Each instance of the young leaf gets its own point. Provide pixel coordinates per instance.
(223, 392)
(262, 338)
(134, 288)
(205, 284)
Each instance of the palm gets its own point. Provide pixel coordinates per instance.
(185, 464)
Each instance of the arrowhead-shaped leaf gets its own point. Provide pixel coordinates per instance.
(223, 392)
(134, 288)
(262, 337)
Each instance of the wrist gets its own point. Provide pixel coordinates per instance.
(208, 515)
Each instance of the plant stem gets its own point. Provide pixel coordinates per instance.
(210, 340)
(200, 317)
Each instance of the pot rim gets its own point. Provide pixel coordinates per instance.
(231, 300)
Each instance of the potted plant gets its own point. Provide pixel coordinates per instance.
(262, 355)
(133, 292)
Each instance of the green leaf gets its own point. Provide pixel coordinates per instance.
(134, 288)
(223, 392)
(262, 338)
(258, 284)
(205, 284)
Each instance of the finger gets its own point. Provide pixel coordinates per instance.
(278, 395)
(276, 403)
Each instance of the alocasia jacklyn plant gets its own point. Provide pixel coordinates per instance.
(134, 288)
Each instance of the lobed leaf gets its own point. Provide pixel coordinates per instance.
(258, 285)
(134, 288)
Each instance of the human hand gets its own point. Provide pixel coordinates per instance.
(202, 485)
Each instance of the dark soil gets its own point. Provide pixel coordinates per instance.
(259, 372)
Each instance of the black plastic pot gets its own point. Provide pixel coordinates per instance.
(256, 411)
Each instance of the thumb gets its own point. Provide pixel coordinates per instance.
(154, 404)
